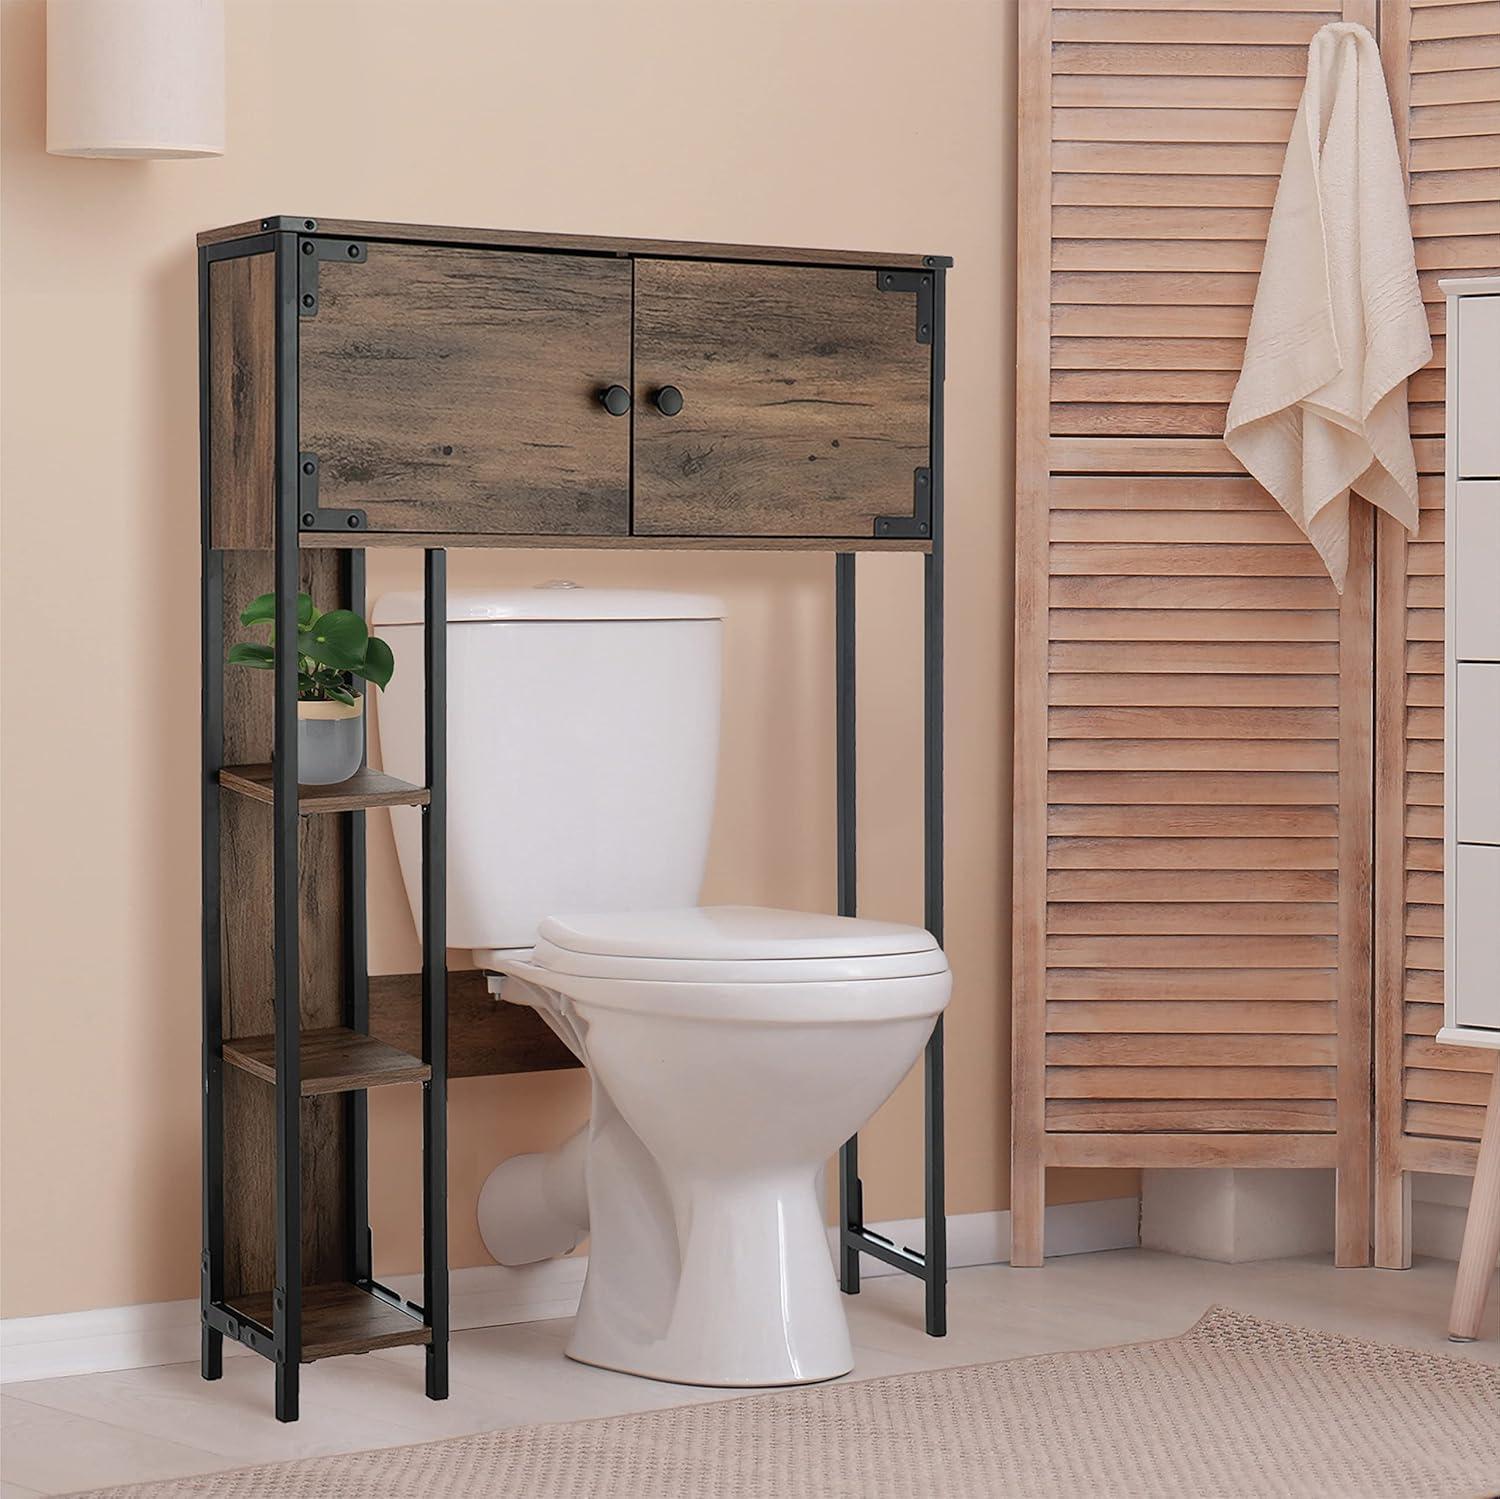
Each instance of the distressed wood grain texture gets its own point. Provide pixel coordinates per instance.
(805, 400)
(447, 389)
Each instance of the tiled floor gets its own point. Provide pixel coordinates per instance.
(60, 1435)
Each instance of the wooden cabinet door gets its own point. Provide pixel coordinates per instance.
(805, 399)
(458, 390)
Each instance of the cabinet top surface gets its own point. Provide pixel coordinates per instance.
(1469, 286)
(583, 244)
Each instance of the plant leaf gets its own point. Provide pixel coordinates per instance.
(264, 609)
(336, 639)
(262, 657)
(379, 663)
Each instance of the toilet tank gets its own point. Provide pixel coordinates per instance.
(583, 739)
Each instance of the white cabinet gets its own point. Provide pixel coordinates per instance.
(1471, 829)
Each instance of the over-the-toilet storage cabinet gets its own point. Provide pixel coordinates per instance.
(369, 385)
(804, 396)
(1472, 830)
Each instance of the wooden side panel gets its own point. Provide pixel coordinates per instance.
(245, 863)
(1193, 696)
(1440, 63)
(458, 390)
(242, 400)
(806, 399)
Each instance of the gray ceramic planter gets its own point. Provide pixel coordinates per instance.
(330, 741)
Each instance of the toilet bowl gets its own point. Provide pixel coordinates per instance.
(732, 1050)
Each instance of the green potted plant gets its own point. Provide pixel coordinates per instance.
(333, 649)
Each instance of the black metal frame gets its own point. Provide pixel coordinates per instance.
(930, 1264)
(282, 1341)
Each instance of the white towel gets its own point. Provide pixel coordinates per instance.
(1338, 323)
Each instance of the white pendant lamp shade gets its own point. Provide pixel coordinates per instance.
(135, 77)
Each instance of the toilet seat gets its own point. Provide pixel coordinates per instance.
(737, 962)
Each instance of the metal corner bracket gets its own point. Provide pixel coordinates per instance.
(919, 282)
(310, 515)
(310, 252)
(919, 522)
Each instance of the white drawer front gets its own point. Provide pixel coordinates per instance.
(1476, 958)
(1478, 388)
(1476, 559)
(1477, 815)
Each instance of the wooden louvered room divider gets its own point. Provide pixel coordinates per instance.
(1195, 784)
(1442, 64)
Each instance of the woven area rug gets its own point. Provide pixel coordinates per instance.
(1235, 1408)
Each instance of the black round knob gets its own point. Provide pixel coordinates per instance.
(616, 400)
(668, 400)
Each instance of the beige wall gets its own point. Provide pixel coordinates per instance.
(882, 125)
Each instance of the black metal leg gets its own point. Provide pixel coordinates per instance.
(357, 988)
(935, 1247)
(288, 1381)
(435, 977)
(851, 1216)
(212, 631)
(931, 1265)
(287, 1296)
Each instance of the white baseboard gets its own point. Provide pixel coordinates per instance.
(167, 1332)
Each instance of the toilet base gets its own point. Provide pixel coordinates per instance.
(755, 1303)
(703, 1384)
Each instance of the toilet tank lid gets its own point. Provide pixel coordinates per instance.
(560, 600)
(731, 933)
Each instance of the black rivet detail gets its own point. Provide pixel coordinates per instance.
(308, 518)
(353, 522)
(309, 300)
(353, 252)
(309, 223)
(308, 247)
(309, 467)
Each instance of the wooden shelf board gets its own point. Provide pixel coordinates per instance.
(340, 1318)
(459, 539)
(365, 788)
(336, 1060)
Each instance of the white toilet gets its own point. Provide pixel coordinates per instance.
(731, 1049)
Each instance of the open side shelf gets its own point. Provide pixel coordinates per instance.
(344, 1317)
(335, 1060)
(365, 788)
